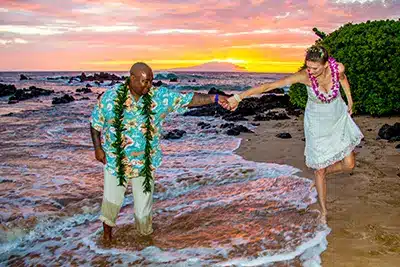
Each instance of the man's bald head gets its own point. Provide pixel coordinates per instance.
(140, 67)
(141, 77)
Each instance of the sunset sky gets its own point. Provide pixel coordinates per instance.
(267, 36)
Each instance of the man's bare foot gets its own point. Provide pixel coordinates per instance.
(107, 237)
(146, 240)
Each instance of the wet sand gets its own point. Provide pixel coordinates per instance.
(363, 206)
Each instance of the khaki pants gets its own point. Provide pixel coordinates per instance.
(114, 196)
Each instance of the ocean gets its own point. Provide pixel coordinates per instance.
(211, 207)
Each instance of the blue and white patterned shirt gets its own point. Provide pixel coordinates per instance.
(164, 102)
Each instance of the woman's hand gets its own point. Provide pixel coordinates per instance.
(233, 102)
(350, 107)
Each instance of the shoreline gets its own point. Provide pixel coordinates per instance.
(363, 206)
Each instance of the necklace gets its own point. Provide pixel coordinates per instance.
(334, 92)
(118, 144)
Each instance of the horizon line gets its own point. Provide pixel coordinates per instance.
(161, 70)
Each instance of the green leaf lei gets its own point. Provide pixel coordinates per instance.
(118, 144)
(147, 171)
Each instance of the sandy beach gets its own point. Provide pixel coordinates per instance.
(363, 206)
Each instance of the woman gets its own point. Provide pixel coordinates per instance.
(331, 134)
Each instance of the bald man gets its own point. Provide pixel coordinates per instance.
(103, 136)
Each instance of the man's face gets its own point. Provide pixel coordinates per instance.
(316, 68)
(141, 82)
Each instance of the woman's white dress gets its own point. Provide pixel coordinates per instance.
(330, 132)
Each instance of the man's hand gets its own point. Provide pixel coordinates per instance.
(223, 102)
(100, 155)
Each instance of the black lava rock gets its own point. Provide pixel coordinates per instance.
(247, 107)
(112, 83)
(84, 90)
(31, 92)
(63, 100)
(58, 78)
(213, 110)
(276, 91)
(214, 91)
(174, 134)
(284, 135)
(389, 132)
(233, 132)
(227, 125)
(234, 117)
(204, 125)
(7, 89)
(294, 111)
(23, 77)
(237, 129)
(158, 83)
(271, 115)
(100, 77)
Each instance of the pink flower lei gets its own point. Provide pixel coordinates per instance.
(334, 92)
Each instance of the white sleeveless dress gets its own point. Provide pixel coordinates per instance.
(330, 132)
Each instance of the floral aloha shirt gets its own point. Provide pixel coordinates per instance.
(164, 102)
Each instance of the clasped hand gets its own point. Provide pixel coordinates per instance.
(228, 103)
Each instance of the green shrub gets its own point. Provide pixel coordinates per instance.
(298, 95)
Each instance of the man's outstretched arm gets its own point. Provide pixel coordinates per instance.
(204, 99)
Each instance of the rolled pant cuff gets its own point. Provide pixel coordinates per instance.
(109, 212)
(106, 221)
(144, 226)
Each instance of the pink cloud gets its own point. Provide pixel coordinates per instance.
(20, 5)
(88, 30)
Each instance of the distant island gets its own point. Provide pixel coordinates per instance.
(212, 67)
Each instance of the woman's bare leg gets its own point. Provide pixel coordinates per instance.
(320, 183)
(345, 165)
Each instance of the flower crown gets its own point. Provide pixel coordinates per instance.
(316, 49)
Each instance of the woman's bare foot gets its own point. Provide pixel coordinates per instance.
(312, 186)
(323, 217)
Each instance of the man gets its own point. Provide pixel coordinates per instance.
(134, 142)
